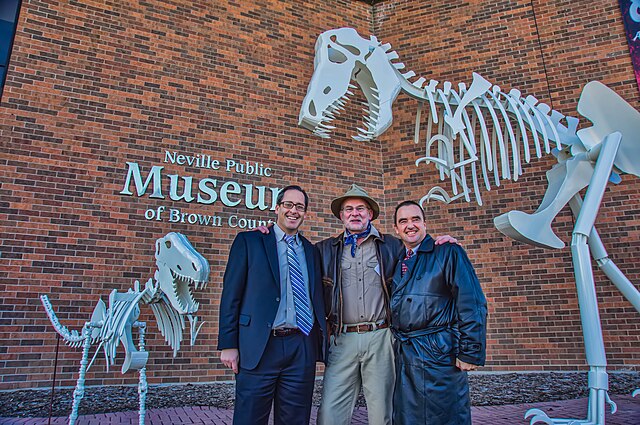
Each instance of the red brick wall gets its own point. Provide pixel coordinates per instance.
(534, 319)
(91, 87)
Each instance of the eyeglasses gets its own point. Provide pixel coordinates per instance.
(360, 210)
(290, 205)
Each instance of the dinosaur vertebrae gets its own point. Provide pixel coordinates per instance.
(72, 338)
(496, 128)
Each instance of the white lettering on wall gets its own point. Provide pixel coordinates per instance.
(207, 191)
(181, 188)
(154, 174)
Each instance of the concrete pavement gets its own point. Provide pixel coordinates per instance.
(628, 414)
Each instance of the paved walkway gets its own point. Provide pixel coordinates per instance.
(628, 414)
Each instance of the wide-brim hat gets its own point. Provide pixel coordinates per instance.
(355, 191)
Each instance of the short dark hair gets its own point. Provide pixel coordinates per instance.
(292, 187)
(404, 204)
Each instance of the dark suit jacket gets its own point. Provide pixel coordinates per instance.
(251, 295)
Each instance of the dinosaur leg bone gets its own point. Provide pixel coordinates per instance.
(124, 312)
(600, 255)
(134, 358)
(78, 393)
(589, 315)
(565, 180)
(142, 382)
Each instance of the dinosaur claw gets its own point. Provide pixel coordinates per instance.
(541, 418)
(532, 412)
(612, 404)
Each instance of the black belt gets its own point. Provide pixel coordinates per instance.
(285, 331)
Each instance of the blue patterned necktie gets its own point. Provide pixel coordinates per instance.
(352, 239)
(303, 312)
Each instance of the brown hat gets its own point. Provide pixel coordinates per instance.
(355, 191)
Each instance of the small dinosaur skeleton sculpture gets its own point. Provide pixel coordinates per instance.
(482, 126)
(180, 270)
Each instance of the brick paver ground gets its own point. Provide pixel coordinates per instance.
(628, 414)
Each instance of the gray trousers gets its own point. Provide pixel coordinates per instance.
(358, 360)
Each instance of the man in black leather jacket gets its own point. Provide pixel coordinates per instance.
(439, 321)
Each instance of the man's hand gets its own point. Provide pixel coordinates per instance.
(230, 357)
(465, 366)
(444, 239)
(265, 229)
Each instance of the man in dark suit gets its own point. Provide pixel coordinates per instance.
(272, 323)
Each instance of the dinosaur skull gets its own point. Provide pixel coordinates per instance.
(181, 269)
(342, 55)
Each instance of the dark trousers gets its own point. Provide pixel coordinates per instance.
(283, 378)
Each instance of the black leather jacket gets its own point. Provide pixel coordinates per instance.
(388, 249)
(439, 314)
(441, 291)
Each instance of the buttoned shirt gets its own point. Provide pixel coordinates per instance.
(286, 315)
(362, 293)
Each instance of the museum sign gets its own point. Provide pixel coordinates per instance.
(209, 190)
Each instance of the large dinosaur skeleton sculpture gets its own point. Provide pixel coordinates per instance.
(180, 270)
(494, 131)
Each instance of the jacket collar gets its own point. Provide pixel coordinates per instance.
(270, 242)
(271, 249)
(427, 244)
(279, 234)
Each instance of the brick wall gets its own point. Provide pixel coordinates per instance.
(93, 85)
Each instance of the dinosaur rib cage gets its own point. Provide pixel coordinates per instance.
(497, 129)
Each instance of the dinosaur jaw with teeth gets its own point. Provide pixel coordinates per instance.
(317, 115)
(377, 109)
(181, 272)
(326, 97)
(343, 57)
(318, 120)
(181, 295)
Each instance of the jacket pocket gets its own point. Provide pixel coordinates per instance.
(444, 349)
(244, 320)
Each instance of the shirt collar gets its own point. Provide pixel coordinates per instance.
(415, 250)
(279, 233)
